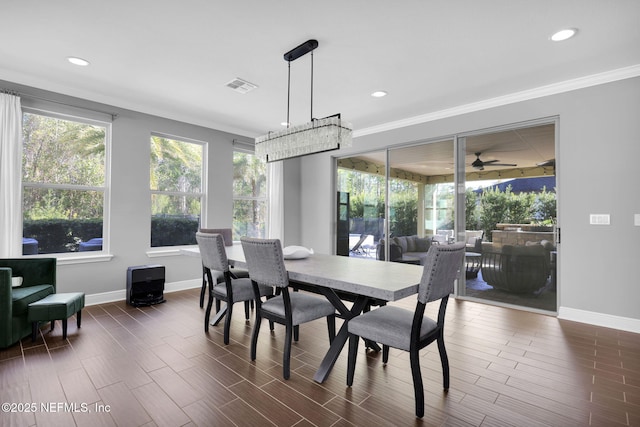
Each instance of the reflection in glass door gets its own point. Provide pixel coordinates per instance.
(361, 181)
(421, 198)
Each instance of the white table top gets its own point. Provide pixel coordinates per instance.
(389, 281)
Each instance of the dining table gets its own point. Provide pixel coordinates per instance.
(342, 279)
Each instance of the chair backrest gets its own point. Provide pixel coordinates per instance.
(212, 251)
(227, 234)
(441, 268)
(265, 261)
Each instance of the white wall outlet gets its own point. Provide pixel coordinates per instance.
(599, 219)
(636, 220)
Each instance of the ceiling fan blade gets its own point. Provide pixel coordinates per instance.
(488, 162)
(550, 162)
(501, 164)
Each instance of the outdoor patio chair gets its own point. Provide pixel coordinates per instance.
(356, 248)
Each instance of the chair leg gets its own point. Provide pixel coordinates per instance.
(296, 333)
(254, 337)
(417, 382)
(207, 314)
(385, 354)
(331, 326)
(53, 323)
(445, 362)
(227, 322)
(286, 357)
(351, 361)
(246, 309)
(271, 323)
(79, 318)
(204, 286)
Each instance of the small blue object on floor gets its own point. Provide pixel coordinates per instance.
(56, 307)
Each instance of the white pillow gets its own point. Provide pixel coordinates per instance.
(296, 252)
(16, 281)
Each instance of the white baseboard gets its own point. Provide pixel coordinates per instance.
(121, 295)
(600, 319)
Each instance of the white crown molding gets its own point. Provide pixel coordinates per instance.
(525, 95)
(600, 319)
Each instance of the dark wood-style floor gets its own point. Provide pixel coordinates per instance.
(155, 366)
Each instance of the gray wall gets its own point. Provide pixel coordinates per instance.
(292, 193)
(130, 197)
(598, 158)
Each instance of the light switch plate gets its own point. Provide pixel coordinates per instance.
(599, 219)
(636, 220)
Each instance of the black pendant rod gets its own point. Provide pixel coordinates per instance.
(292, 55)
(288, 94)
(311, 118)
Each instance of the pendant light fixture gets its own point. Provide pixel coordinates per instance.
(318, 135)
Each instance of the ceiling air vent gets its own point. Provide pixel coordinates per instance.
(241, 86)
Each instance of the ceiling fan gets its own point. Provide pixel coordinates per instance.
(479, 164)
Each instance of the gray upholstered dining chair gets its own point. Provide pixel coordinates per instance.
(217, 275)
(214, 258)
(265, 262)
(408, 330)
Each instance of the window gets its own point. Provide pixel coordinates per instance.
(63, 183)
(249, 196)
(176, 191)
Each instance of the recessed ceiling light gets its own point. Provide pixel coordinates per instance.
(564, 34)
(379, 94)
(284, 123)
(78, 61)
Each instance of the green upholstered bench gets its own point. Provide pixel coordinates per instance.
(56, 307)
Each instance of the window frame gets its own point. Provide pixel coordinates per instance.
(79, 117)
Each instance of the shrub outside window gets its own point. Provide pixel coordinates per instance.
(250, 202)
(176, 190)
(63, 183)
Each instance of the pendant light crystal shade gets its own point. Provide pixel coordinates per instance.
(319, 135)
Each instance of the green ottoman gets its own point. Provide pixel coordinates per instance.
(56, 307)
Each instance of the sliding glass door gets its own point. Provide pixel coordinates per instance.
(494, 190)
(511, 200)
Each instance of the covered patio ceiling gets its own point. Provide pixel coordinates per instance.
(530, 149)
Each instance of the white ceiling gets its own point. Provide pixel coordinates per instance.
(174, 58)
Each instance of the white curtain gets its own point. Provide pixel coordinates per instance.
(10, 176)
(275, 173)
